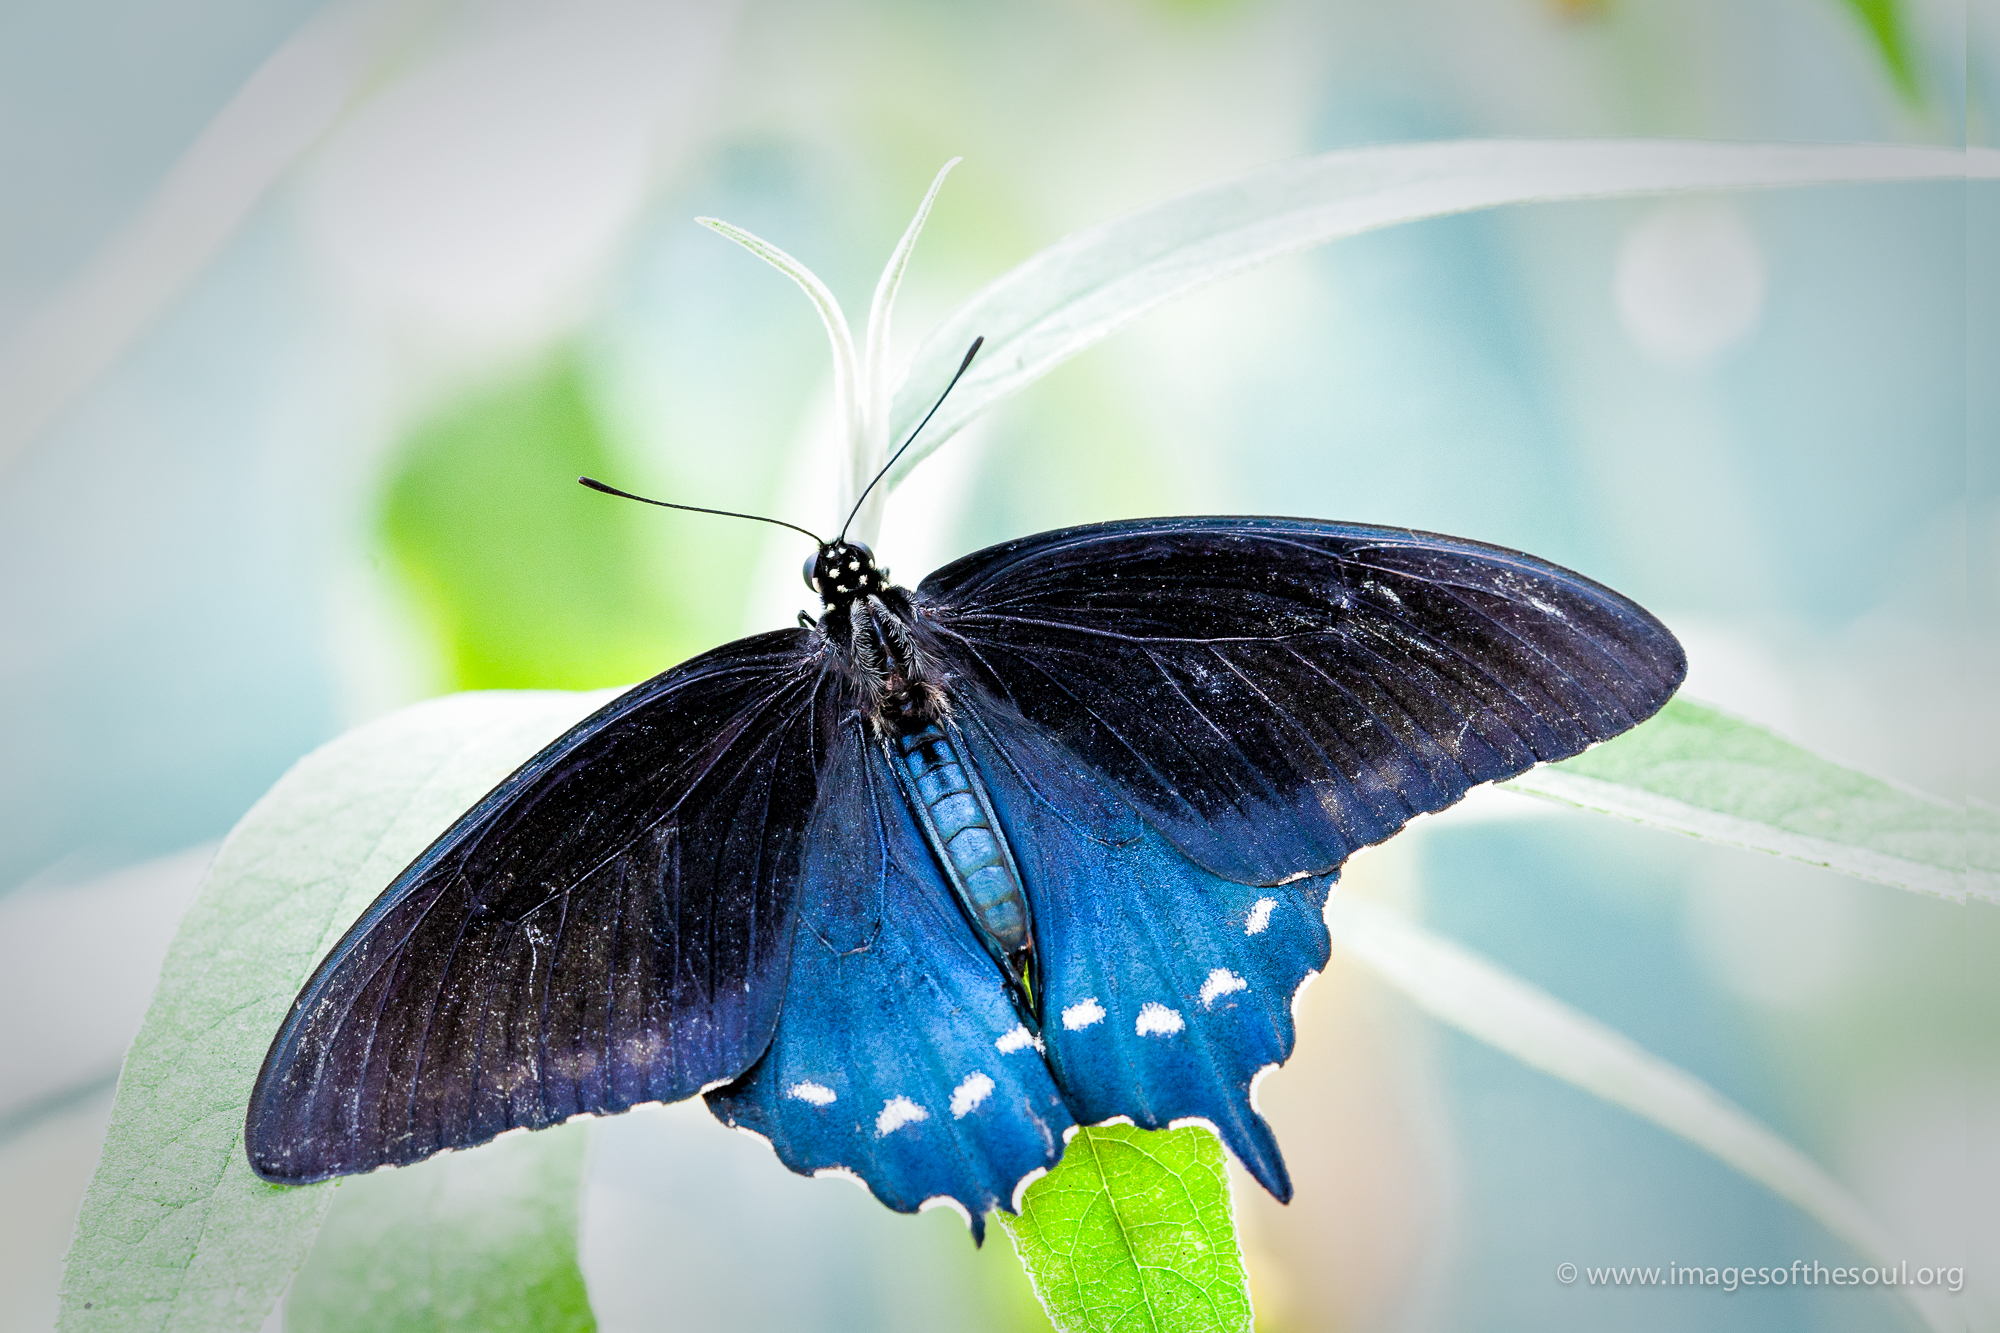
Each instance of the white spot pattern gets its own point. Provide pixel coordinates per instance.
(965, 1098)
(1260, 916)
(1082, 1014)
(897, 1112)
(816, 1093)
(1220, 982)
(1020, 1039)
(1156, 1020)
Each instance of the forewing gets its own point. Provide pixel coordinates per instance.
(610, 925)
(1275, 693)
(901, 1059)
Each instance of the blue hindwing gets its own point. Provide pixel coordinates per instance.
(900, 1056)
(1165, 989)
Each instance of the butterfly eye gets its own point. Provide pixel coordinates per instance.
(857, 549)
(812, 567)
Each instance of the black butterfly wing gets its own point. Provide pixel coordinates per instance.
(1275, 693)
(611, 925)
(901, 1058)
(1187, 725)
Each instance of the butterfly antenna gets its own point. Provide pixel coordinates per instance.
(970, 352)
(597, 485)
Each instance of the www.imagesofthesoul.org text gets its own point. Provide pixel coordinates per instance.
(1802, 1273)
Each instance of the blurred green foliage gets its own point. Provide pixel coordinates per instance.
(1889, 29)
(525, 579)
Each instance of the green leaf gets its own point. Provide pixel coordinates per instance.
(484, 1239)
(1483, 1001)
(1133, 1232)
(1696, 770)
(175, 1233)
(1071, 295)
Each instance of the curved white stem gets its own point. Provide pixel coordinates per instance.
(847, 404)
(875, 444)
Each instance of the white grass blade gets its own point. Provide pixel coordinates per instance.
(1464, 990)
(1982, 850)
(867, 525)
(847, 386)
(1696, 770)
(1079, 290)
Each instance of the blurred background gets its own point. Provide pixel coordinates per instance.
(310, 313)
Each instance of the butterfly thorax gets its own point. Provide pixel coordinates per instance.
(868, 623)
(897, 687)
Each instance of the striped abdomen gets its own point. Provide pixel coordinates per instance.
(959, 821)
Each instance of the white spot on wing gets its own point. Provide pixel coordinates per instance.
(843, 1173)
(946, 1201)
(965, 1098)
(1260, 916)
(1020, 1039)
(1082, 1014)
(1220, 982)
(897, 1112)
(1304, 982)
(816, 1093)
(1256, 1081)
(1156, 1020)
(740, 1129)
(1021, 1185)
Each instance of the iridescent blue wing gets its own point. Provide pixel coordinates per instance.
(1166, 989)
(1187, 725)
(901, 1058)
(611, 925)
(1274, 693)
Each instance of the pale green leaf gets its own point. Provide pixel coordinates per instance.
(484, 1239)
(1500, 1009)
(1133, 1233)
(175, 1233)
(1071, 295)
(1699, 771)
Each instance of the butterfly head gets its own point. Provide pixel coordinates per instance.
(842, 571)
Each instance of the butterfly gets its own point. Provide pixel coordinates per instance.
(914, 889)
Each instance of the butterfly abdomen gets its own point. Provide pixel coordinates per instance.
(958, 820)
